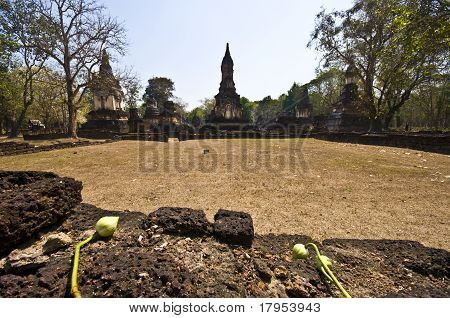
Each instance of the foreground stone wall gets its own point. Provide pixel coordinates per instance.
(229, 227)
(31, 202)
(177, 252)
(158, 256)
(12, 148)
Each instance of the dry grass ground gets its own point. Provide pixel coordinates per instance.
(295, 186)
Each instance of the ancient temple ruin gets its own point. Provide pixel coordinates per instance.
(297, 113)
(228, 108)
(155, 120)
(303, 108)
(106, 88)
(152, 115)
(107, 113)
(347, 113)
(300, 111)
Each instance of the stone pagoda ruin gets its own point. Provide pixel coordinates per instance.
(108, 114)
(152, 116)
(155, 120)
(297, 114)
(150, 121)
(228, 108)
(300, 112)
(347, 112)
(170, 116)
(303, 108)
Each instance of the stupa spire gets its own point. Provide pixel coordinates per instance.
(227, 60)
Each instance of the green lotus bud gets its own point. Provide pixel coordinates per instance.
(299, 251)
(325, 260)
(107, 225)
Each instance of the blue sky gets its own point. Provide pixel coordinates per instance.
(185, 41)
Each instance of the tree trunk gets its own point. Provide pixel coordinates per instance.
(7, 125)
(395, 108)
(18, 124)
(27, 102)
(369, 101)
(64, 117)
(72, 124)
(398, 121)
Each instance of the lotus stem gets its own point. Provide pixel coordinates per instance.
(76, 259)
(329, 274)
(326, 274)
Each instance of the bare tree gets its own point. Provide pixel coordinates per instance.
(131, 83)
(73, 34)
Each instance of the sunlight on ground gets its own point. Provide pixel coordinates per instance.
(294, 186)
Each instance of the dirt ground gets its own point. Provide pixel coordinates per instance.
(292, 186)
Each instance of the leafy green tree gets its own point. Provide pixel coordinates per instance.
(293, 96)
(199, 115)
(19, 19)
(207, 104)
(7, 86)
(429, 106)
(159, 88)
(248, 110)
(180, 105)
(7, 44)
(50, 105)
(268, 109)
(325, 89)
(141, 109)
(394, 45)
(10, 99)
(196, 116)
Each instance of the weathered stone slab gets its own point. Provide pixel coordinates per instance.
(180, 221)
(31, 202)
(56, 242)
(234, 227)
(22, 261)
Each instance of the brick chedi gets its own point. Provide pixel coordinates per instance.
(106, 88)
(298, 106)
(162, 120)
(108, 113)
(228, 108)
(347, 113)
(296, 115)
